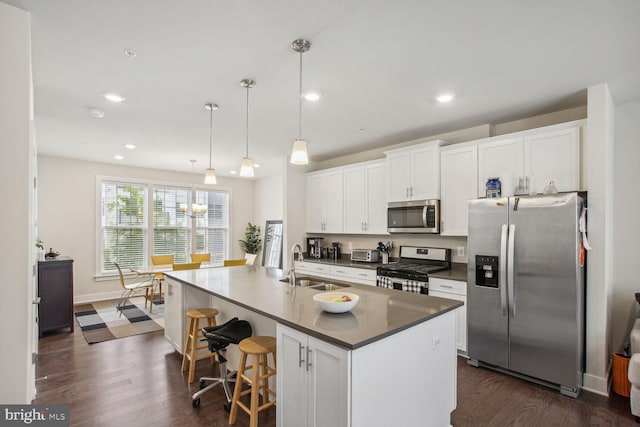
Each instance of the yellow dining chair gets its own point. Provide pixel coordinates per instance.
(201, 257)
(186, 266)
(234, 262)
(159, 277)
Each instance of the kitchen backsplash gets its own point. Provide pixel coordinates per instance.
(371, 242)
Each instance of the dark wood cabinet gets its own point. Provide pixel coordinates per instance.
(55, 289)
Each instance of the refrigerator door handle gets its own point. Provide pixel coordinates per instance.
(510, 260)
(503, 270)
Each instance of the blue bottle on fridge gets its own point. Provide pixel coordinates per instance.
(494, 187)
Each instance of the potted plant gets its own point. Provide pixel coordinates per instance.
(251, 243)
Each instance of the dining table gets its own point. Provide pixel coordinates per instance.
(152, 269)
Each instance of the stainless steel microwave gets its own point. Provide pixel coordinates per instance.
(416, 216)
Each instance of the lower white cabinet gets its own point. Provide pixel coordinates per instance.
(313, 381)
(363, 276)
(456, 290)
(178, 299)
(173, 314)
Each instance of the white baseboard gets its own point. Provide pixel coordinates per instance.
(87, 298)
(596, 384)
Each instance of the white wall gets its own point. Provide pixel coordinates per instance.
(16, 184)
(625, 216)
(599, 162)
(268, 203)
(67, 213)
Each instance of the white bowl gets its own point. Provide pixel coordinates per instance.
(328, 301)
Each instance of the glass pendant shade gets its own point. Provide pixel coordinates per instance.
(246, 167)
(210, 176)
(299, 154)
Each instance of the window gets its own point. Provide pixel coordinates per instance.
(140, 219)
(124, 227)
(212, 228)
(171, 226)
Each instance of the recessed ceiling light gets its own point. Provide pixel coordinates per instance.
(95, 113)
(113, 97)
(311, 95)
(256, 165)
(130, 53)
(130, 146)
(445, 97)
(118, 157)
(232, 172)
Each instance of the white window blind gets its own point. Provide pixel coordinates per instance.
(139, 219)
(171, 226)
(123, 224)
(212, 228)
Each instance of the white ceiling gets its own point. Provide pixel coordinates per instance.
(378, 64)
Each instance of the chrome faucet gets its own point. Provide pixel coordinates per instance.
(292, 268)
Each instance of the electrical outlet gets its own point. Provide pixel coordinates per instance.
(436, 342)
(460, 250)
(350, 244)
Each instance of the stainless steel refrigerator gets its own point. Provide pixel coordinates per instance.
(525, 296)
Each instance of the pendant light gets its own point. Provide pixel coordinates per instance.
(299, 154)
(246, 167)
(210, 174)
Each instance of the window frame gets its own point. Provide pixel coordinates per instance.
(150, 186)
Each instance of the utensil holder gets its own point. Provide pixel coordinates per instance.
(385, 258)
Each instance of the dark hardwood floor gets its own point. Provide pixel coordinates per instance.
(136, 381)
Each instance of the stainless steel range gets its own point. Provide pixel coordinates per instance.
(411, 272)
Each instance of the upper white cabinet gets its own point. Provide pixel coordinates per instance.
(553, 156)
(324, 207)
(414, 172)
(459, 180)
(364, 198)
(540, 156)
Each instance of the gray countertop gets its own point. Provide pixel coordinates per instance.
(380, 312)
(458, 272)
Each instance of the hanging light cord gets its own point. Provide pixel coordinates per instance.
(248, 120)
(300, 101)
(210, 135)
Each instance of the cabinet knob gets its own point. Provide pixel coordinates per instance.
(36, 301)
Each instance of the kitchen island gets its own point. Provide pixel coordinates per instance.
(390, 361)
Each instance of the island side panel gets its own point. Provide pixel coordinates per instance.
(408, 378)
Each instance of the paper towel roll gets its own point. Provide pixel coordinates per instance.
(507, 183)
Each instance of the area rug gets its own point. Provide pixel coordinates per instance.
(101, 321)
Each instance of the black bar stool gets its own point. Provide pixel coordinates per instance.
(219, 338)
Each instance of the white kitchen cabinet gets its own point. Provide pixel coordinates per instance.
(459, 181)
(313, 381)
(456, 290)
(496, 158)
(546, 154)
(363, 276)
(364, 198)
(174, 323)
(177, 301)
(314, 269)
(553, 156)
(324, 203)
(413, 172)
